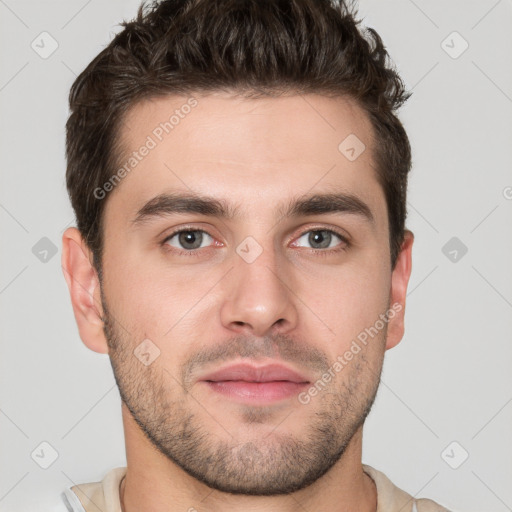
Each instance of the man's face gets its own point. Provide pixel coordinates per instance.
(258, 288)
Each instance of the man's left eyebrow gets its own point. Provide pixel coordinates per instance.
(189, 203)
(330, 203)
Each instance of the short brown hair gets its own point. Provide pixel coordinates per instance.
(252, 47)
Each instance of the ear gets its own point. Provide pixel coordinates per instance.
(84, 288)
(399, 280)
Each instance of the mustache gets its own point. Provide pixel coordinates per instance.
(279, 346)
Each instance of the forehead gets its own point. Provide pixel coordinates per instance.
(286, 126)
(250, 151)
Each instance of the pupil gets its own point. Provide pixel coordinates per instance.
(319, 237)
(188, 237)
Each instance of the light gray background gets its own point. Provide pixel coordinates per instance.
(448, 380)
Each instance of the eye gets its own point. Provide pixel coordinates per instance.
(187, 239)
(323, 239)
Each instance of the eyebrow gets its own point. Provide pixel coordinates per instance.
(316, 204)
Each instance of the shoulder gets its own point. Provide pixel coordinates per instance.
(94, 496)
(390, 498)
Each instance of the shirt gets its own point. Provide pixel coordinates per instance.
(104, 496)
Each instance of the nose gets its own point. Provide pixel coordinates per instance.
(259, 298)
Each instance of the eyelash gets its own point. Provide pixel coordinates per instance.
(320, 252)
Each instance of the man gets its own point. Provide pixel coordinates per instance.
(239, 177)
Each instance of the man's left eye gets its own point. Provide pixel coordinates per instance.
(321, 238)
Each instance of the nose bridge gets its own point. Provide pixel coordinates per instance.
(258, 293)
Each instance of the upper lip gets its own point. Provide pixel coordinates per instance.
(250, 373)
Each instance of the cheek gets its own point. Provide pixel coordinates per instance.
(350, 299)
(163, 303)
(136, 295)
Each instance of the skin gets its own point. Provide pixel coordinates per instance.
(292, 303)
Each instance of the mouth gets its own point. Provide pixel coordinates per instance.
(256, 384)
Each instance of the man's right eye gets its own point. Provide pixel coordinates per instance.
(187, 240)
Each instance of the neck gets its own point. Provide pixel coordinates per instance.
(153, 482)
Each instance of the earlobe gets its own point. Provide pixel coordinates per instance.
(84, 288)
(399, 281)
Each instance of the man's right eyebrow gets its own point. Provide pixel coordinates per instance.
(168, 204)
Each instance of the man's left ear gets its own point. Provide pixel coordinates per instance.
(399, 280)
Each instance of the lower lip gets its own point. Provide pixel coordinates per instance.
(257, 391)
